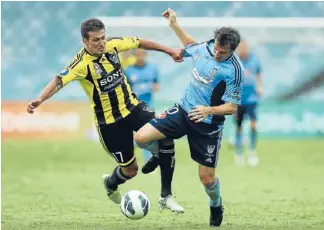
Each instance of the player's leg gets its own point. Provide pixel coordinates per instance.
(139, 117)
(163, 148)
(253, 159)
(117, 140)
(157, 129)
(204, 150)
(160, 127)
(239, 157)
(167, 165)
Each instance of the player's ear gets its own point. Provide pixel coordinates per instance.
(85, 41)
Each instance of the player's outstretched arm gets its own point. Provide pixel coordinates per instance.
(176, 54)
(171, 16)
(52, 87)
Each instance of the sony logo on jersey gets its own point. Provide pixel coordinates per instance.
(199, 78)
(111, 77)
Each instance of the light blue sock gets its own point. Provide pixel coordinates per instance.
(252, 140)
(147, 155)
(152, 147)
(238, 143)
(213, 191)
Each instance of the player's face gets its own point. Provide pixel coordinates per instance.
(221, 53)
(96, 44)
(140, 56)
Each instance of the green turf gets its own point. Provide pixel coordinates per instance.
(48, 185)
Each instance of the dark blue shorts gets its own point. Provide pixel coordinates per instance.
(204, 139)
(250, 110)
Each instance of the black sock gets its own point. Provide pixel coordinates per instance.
(167, 164)
(117, 178)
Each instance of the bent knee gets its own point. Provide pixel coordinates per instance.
(206, 177)
(141, 138)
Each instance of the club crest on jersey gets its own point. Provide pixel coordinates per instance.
(212, 72)
(147, 109)
(235, 94)
(113, 58)
(97, 68)
(210, 148)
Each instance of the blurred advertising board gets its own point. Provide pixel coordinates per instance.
(54, 120)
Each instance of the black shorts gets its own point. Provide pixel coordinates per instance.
(204, 139)
(117, 138)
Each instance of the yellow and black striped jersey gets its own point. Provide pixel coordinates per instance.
(104, 81)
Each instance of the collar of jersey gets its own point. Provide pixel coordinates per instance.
(87, 52)
(211, 53)
(207, 45)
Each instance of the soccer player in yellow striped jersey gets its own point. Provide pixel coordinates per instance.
(117, 112)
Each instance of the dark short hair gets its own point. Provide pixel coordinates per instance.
(91, 25)
(227, 35)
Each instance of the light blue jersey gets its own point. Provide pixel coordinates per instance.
(252, 68)
(142, 80)
(212, 83)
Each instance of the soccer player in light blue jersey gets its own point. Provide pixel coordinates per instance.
(252, 89)
(214, 91)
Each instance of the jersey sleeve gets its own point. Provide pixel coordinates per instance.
(234, 85)
(75, 71)
(122, 43)
(189, 50)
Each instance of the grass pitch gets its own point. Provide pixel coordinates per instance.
(47, 185)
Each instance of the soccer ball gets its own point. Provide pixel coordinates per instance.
(135, 205)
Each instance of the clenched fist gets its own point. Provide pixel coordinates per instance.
(170, 15)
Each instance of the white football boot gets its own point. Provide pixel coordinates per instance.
(170, 203)
(114, 196)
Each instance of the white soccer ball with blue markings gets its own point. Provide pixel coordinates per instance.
(135, 204)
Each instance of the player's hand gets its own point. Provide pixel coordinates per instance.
(199, 113)
(33, 105)
(177, 54)
(170, 15)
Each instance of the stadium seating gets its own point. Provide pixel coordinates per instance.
(38, 42)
